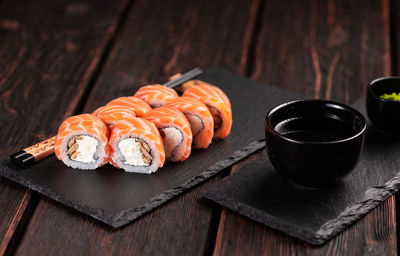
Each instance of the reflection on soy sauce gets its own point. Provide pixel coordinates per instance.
(325, 129)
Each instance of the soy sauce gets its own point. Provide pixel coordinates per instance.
(322, 129)
(314, 135)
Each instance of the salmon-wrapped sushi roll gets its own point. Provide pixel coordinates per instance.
(216, 101)
(135, 104)
(136, 146)
(82, 142)
(156, 94)
(175, 132)
(199, 117)
(111, 114)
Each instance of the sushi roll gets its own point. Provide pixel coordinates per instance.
(156, 95)
(138, 106)
(136, 146)
(216, 101)
(82, 142)
(111, 114)
(175, 132)
(199, 117)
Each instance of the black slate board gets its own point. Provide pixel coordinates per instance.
(116, 198)
(313, 215)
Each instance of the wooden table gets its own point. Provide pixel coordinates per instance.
(59, 58)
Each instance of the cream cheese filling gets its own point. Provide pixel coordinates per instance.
(196, 124)
(83, 149)
(172, 137)
(134, 151)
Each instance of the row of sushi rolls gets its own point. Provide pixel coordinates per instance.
(139, 133)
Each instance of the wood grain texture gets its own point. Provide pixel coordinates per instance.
(332, 51)
(395, 36)
(158, 39)
(323, 49)
(14, 200)
(48, 53)
(162, 39)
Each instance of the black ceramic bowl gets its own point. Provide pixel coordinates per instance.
(314, 142)
(384, 114)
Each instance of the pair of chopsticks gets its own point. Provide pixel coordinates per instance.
(33, 154)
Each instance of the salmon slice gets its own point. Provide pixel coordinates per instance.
(175, 131)
(216, 101)
(199, 117)
(156, 95)
(138, 106)
(113, 113)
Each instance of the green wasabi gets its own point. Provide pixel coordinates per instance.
(394, 96)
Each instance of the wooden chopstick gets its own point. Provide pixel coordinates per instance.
(33, 154)
(183, 78)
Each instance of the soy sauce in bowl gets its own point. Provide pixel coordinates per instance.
(306, 129)
(314, 142)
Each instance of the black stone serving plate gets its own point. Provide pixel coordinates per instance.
(116, 198)
(257, 191)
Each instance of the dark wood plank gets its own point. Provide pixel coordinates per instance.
(395, 36)
(14, 200)
(331, 51)
(49, 51)
(175, 38)
(159, 38)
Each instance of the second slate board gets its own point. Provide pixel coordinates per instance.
(116, 198)
(257, 191)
